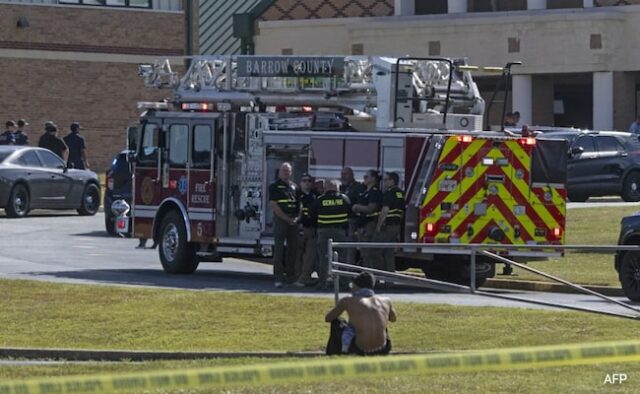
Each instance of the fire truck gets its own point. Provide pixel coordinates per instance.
(206, 155)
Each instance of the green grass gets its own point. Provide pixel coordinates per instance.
(585, 226)
(579, 379)
(39, 314)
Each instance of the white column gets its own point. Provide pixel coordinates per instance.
(536, 4)
(603, 100)
(456, 6)
(404, 7)
(522, 100)
(587, 3)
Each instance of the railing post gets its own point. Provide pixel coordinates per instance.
(336, 277)
(472, 269)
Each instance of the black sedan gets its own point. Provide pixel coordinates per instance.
(35, 178)
(602, 163)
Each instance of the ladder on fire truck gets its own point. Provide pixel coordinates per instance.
(398, 92)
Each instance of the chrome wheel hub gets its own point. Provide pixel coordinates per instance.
(170, 242)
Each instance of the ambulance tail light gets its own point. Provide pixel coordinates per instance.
(557, 233)
(430, 229)
(465, 138)
(528, 141)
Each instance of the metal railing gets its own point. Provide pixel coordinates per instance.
(339, 269)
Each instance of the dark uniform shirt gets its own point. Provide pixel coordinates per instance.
(285, 195)
(353, 191)
(372, 195)
(394, 199)
(21, 138)
(7, 138)
(53, 143)
(307, 200)
(76, 144)
(331, 210)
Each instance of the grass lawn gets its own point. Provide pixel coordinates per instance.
(40, 314)
(585, 226)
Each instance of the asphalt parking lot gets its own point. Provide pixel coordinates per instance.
(65, 247)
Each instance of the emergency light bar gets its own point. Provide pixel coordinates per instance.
(153, 105)
(203, 107)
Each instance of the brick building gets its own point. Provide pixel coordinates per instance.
(77, 61)
(581, 61)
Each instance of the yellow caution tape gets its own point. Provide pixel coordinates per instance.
(335, 368)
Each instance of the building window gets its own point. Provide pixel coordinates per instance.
(357, 49)
(557, 4)
(496, 5)
(110, 3)
(434, 48)
(427, 7)
(513, 45)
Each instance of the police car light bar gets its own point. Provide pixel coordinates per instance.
(204, 107)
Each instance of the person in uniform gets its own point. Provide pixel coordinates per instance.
(7, 137)
(331, 212)
(352, 188)
(368, 210)
(389, 226)
(50, 140)
(20, 136)
(286, 215)
(307, 260)
(77, 148)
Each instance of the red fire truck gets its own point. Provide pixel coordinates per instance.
(206, 155)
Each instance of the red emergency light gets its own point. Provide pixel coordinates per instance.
(528, 141)
(465, 138)
(430, 229)
(202, 107)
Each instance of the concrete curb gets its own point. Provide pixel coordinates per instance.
(120, 355)
(549, 287)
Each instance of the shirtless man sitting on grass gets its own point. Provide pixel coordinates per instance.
(369, 314)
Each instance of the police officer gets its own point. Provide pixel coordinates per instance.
(389, 225)
(286, 214)
(20, 136)
(352, 188)
(331, 211)
(7, 137)
(307, 259)
(50, 140)
(368, 210)
(77, 148)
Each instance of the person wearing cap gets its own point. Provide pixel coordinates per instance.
(389, 227)
(369, 315)
(368, 209)
(77, 148)
(7, 137)
(50, 140)
(307, 259)
(20, 136)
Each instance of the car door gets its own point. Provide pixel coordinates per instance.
(36, 176)
(59, 183)
(611, 162)
(581, 171)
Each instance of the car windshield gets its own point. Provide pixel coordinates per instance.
(4, 155)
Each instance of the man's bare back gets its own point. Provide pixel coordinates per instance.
(370, 317)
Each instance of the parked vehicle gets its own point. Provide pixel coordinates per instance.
(627, 264)
(35, 178)
(118, 187)
(602, 163)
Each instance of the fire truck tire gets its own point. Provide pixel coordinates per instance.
(631, 187)
(629, 275)
(176, 254)
(578, 197)
(90, 200)
(18, 204)
(454, 273)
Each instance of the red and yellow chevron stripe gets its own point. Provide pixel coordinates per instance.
(481, 192)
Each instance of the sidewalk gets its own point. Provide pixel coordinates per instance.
(549, 287)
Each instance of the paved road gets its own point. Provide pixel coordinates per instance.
(64, 247)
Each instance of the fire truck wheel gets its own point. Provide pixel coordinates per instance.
(90, 200)
(629, 275)
(176, 254)
(631, 187)
(18, 205)
(578, 197)
(454, 273)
